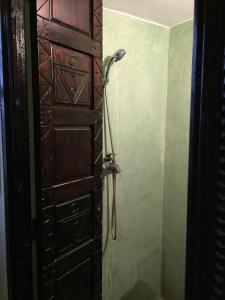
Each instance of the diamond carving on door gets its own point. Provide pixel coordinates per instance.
(72, 73)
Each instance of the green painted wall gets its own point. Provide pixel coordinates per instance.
(137, 96)
(142, 93)
(176, 160)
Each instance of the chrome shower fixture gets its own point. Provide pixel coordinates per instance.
(110, 60)
(119, 54)
(109, 165)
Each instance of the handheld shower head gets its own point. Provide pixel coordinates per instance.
(119, 54)
(110, 60)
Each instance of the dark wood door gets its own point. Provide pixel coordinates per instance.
(70, 87)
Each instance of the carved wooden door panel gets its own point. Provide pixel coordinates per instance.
(70, 87)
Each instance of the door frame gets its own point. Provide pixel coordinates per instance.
(204, 144)
(15, 136)
(15, 125)
(4, 246)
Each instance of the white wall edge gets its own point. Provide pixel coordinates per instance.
(135, 17)
(180, 23)
(146, 20)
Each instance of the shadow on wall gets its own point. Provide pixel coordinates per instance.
(141, 291)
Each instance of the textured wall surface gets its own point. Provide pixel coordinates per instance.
(137, 96)
(149, 99)
(176, 160)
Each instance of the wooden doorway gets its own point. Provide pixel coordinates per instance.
(70, 58)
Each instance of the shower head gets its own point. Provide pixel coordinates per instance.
(119, 54)
(110, 60)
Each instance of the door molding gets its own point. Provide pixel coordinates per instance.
(16, 149)
(4, 262)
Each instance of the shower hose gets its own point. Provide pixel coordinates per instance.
(113, 174)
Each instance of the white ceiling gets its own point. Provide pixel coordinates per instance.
(164, 12)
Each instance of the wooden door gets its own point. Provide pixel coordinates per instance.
(70, 86)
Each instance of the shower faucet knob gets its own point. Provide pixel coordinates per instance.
(110, 165)
(109, 157)
(115, 168)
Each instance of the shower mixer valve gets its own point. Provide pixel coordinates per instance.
(109, 165)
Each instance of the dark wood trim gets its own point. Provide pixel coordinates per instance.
(204, 139)
(37, 134)
(60, 35)
(16, 145)
(4, 95)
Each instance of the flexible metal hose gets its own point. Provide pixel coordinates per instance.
(107, 121)
(114, 215)
(106, 110)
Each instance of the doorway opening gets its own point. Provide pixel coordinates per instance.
(149, 99)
